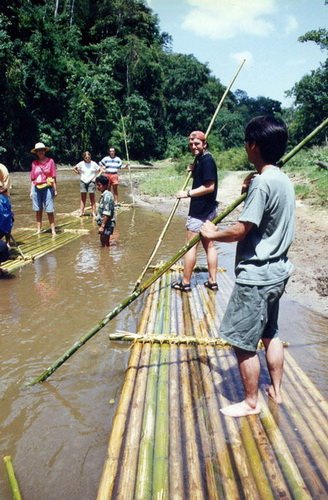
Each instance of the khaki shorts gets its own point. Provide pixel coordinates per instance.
(252, 314)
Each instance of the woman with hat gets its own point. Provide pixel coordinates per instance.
(43, 186)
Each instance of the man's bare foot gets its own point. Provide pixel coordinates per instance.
(272, 394)
(241, 409)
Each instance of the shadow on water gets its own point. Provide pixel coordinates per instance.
(57, 432)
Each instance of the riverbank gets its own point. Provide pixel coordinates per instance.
(309, 283)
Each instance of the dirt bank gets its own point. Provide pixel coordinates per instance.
(309, 282)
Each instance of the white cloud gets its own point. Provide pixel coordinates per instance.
(222, 19)
(240, 56)
(291, 25)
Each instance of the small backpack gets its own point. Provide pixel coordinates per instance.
(6, 215)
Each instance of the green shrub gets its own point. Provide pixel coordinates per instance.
(232, 159)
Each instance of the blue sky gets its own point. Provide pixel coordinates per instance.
(265, 32)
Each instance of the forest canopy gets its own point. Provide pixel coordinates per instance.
(71, 69)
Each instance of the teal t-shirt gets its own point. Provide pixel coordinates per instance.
(261, 258)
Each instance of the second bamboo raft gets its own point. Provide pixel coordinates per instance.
(169, 439)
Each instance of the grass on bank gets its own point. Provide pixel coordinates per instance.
(310, 181)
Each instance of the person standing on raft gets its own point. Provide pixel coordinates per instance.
(43, 186)
(203, 206)
(264, 232)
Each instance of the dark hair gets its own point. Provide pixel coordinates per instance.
(102, 179)
(270, 134)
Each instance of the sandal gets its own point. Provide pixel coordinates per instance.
(211, 286)
(178, 285)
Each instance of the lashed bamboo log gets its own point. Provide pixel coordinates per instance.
(176, 469)
(135, 294)
(171, 215)
(129, 463)
(307, 384)
(145, 459)
(122, 413)
(258, 462)
(286, 461)
(15, 491)
(229, 483)
(160, 481)
(294, 440)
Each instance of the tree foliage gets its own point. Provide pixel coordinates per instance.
(70, 69)
(310, 93)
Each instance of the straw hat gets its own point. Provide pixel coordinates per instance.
(39, 145)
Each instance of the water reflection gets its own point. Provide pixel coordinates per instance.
(87, 259)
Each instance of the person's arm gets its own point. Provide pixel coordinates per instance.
(206, 188)
(235, 232)
(55, 186)
(104, 220)
(54, 174)
(76, 169)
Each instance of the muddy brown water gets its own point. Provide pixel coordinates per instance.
(57, 432)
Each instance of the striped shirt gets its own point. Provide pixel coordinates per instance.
(111, 164)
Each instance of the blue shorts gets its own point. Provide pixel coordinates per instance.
(194, 224)
(43, 199)
(252, 314)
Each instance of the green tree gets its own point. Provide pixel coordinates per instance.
(310, 93)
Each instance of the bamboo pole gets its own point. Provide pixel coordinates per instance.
(128, 159)
(129, 463)
(176, 469)
(15, 491)
(165, 267)
(160, 481)
(146, 455)
(286, 461)
(121, 423)
(210, 380)
(160, 239)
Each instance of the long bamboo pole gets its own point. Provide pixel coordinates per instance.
(16, 494)
(165, 267)
(127, 158)
(209, 128)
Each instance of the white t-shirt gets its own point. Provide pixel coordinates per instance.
(88, 171)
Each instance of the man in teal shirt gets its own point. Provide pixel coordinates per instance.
(264, 232)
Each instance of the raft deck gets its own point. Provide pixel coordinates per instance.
(170, 441)
(69, 227)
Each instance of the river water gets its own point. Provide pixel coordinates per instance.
(57, 432)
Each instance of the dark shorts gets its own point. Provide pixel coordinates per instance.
(4, 252)
(87, 187)
(252, 314)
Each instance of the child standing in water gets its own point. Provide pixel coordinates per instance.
(106, 210)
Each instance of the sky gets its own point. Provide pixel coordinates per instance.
(222, 33)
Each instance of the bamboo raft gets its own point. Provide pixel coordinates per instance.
(169, 439)
(69, 227)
